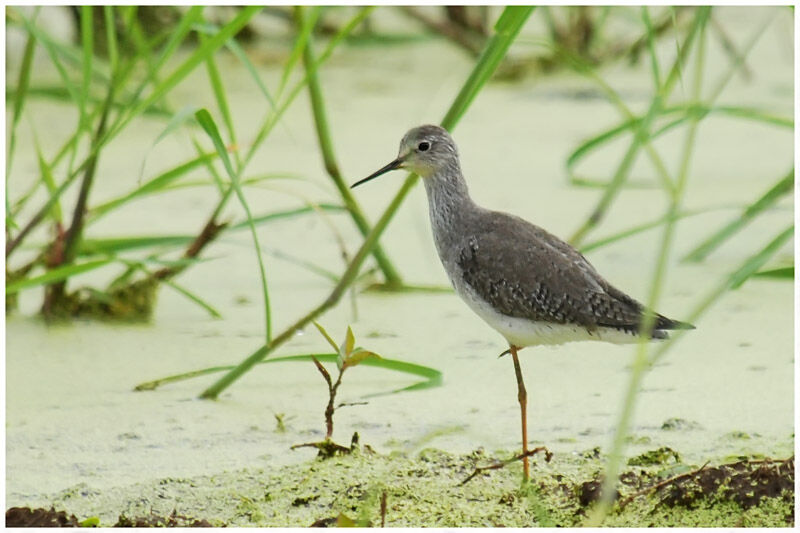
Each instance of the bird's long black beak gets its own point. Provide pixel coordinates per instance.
(397, 163)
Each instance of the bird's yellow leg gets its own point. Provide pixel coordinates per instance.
(522, 396)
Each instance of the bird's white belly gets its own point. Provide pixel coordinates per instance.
(522, 332)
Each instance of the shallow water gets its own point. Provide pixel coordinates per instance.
(72, 416)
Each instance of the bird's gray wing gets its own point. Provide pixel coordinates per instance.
(525, 272)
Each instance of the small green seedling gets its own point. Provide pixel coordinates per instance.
(348, 356)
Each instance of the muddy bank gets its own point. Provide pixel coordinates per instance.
(428, 490)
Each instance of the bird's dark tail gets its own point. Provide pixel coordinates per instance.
(663, 322)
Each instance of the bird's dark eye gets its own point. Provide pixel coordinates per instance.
(424, 146)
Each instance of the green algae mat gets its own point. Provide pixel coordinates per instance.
(437, 489)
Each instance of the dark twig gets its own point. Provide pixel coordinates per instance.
(332, 388)
(661, 484)
(73, 236)
(208, 234)
(383, 509)
(548, 455)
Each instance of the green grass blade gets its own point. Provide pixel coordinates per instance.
(326, 335)
(325, 140)
(754, 263)
(651, 47)
(273, 118)
(87, 41)
(60, 93)
(207, 123)
(287, 214)
(47, 177)
(639, 228)
(754, 114)
(176, 37)
(506, 30)
(116, 245)
(193, 297)
(299, 45)
(111, 38)
(684, 112)
(23, 82)
(178, 119)
(124, 244)
(205, 120)
(308, 265)
(431, 377)
(198, 56)
(642, 134)
(153, 186)
(780, 189)
(222, 100)
(749, 268)
(233, 46)
(52, 50)
(778, 273)
(57, 274)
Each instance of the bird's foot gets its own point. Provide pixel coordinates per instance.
(548, 455)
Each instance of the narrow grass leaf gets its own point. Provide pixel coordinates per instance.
(325, 139)
(506, 29)
(684, 112)
(57, 274)
(46, 174)
(210, 127)
(328, 338)
(87, 42)
(111, 38)
(289, 213)
(219, 94)
(651, 47)
(300, 43)
(755, 262)
(60, 93)
(23, 82)
(193, 297)
(123, 244)
(234, 47)
(198, 56)
(308, 265)
(53, 53)
(156, 185)
(746, 270)
(178, 119)
(780, 189)
(640, 228)
(432, 377)
(205, 120)
(240, 54)
(778, 273)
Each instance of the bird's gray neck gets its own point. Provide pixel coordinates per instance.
(449, 204)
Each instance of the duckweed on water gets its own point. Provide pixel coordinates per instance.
(426, 490)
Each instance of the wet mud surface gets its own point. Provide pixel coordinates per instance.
(364, 488)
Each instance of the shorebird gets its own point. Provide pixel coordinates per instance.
(529, 285)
